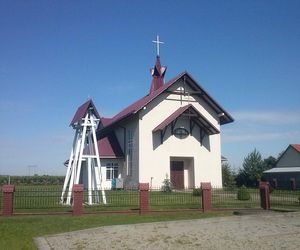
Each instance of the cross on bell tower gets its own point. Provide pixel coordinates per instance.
(158, 72)
(157, 44)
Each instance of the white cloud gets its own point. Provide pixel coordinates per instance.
(268, 117)
(245, 136)
(261, 126)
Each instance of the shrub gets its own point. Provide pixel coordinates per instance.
(243, 194)
(167, 185)
(197, 192)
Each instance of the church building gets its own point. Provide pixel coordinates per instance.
(172, 132)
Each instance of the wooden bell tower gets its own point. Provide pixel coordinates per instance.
(84, 166)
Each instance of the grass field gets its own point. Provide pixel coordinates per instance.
(18, 232)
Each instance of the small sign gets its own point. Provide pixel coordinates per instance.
(181, 132)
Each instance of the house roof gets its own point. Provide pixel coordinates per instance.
(197, 117)
(82, 110)
(283, 170)
(109, 147)
(296, 147)
(139, 104)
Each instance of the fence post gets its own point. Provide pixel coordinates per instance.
(8, 199)
(78, 199)
(264, 191)
(206, 196)
(293, 183)
(144, 197)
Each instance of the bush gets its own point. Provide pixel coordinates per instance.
(197, 192)
(167, 185)
(243, 194)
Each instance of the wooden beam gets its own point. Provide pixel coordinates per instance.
(192, 125)
(202, 135)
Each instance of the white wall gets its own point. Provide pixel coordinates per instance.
(154, 158)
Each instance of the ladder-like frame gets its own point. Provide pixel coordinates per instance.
(84, 157)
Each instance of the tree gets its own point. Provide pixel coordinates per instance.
(228, 175)
(269, 162)
(253, 167)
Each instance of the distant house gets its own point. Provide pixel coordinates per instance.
(286, 173)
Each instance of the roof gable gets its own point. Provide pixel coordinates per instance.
(296, 147)
(287, 156)
(195, 115)
(82, 110)
(198, 90)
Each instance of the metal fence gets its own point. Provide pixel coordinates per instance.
(32, 199)
(285, 199)
(175, 199)
(116, 200)
(46, 199)
(228, 198)
(1, 199)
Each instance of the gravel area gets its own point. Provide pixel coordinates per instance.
(268, 230)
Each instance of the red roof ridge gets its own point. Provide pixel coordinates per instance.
(296, 147)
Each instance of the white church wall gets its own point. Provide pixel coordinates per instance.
(155, 157)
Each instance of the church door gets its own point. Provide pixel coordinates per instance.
(177, 174)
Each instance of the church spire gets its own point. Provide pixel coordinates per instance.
(158, 72)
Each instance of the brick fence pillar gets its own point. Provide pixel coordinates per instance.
(206, 196)
(293, 183)
(77, 199)
(144, 197)
(8, 199)
(264, 191)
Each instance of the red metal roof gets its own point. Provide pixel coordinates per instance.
(82, 110)
(139, 104)
(109, 147)
(296, 147)
(171, 118)
(200, 119)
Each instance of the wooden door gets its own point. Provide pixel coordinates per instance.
(177, 174)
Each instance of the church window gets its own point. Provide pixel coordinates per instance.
(130, 152)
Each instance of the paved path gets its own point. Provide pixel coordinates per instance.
(257, 231)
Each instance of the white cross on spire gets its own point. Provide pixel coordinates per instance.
(157, 44)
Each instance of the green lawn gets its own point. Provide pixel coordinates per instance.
(17, 232)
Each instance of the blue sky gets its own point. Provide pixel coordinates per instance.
(56, 54)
